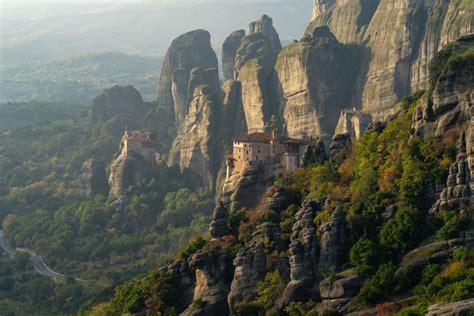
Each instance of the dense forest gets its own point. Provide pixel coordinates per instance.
(42, 209)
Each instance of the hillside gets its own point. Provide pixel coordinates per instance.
(77, 79)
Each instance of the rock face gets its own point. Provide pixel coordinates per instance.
(448, 102)
(126, 170)
(93, 178)
(188, 51)
(229, 52)
(116, 100)
(438, 252)
(401, 36)
(211, 274)
(233, 111)
(345, 287)
(251, 263)
(315, 154)
(253, 67)
(218, 227)
(353, 122)
(304, 254)
(194, 147)
(245, 189)
(333, 242)
(450, 309)
(265, 26)
(457, 196)
(340, 147)
(316, 80)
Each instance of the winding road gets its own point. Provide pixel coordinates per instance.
(38, 263)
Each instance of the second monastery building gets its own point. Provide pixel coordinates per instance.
(256, 148)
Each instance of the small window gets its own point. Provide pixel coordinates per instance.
(257, 157)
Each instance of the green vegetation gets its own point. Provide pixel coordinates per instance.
(77, 79)
(42, 209)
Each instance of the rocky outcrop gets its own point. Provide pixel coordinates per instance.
(304, 255)
(116, 100)
(93, 178)
(315, 154)
(448, 101)
(333, 242)
(188, 51)
(251, 263)
(127, 169)
(435, 253)
(212, 277)
(194, 147)
(457, 196)
(401, 37)
(279, 200)
(316, 80)
(218, 227)
(353, 122)
(245, 188)
(233, 117)
(344, 287)
(340, 147)
(459, 308)
(265, 26)
(229, 52)
(253, 67)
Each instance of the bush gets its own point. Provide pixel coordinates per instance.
(269, 290)
(378, 287)
(195, 244)
(403, 231)
(364, 256)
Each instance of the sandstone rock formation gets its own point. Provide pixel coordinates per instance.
(229, 52)
(401, 36)
(251, 263)
(316, 81)
(340, 147)
(233, 116)
(333, 242)
(211, 273)
(253, 67)
(188, 51)
(218, 227)
(116, 100)
(353, 122)
(246, 188)
(304, 255)
(457, 196)
(265, 26)
(448, 101)
(126, 170)
(315, 154)
(344, 287)
(464, 307)
(93, 178)
(194, 147)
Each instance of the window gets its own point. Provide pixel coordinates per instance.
(257, 157)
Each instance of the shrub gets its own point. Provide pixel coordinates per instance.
(269, 290)
(364, 256)
(379, 286)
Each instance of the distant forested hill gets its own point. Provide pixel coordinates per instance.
(77, 79)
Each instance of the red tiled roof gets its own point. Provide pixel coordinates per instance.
(268, 137)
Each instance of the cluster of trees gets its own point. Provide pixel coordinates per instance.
(42, 209)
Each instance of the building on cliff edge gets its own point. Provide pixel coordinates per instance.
(256, 148)
(140, 142)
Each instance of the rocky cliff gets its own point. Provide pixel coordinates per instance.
(188, 51)
(401, 38)
(316, 81)
(93, 178)
(253, 67)
(229, 52)
(195, 148)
